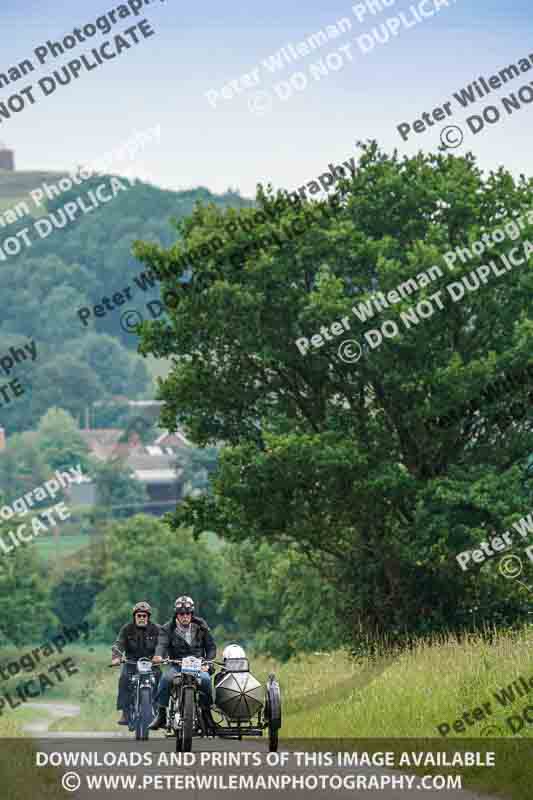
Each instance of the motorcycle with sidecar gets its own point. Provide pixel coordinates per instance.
(242, 706)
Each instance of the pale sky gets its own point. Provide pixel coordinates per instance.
(164, 80)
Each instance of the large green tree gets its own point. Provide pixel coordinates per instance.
(341, 460)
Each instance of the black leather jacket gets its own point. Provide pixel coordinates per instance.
(171, 644)
(137, 642)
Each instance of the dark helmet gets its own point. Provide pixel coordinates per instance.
(184, 605)
(142, 606)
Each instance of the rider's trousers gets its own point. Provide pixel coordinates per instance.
(163, 694)
(123, 697)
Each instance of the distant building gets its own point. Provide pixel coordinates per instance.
(153, 465)
(7, 158)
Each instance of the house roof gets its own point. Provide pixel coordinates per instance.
(104, 444)
(168, 439)
(151, 463)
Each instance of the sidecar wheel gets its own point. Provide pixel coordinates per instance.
(273, 712)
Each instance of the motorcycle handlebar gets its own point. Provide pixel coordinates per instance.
(165, 661)
(179, 660)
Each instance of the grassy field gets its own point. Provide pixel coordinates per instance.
(55, 550)
(330, 695)
(77, 688)
(51, 549)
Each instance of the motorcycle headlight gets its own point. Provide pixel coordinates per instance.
(144, 667)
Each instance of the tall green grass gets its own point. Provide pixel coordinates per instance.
(433, 683)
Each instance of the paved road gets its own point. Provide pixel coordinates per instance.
(122, 741)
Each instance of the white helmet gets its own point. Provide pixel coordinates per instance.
(233, 651)
(235, 659)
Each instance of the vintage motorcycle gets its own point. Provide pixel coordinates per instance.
(239, 697)
(140, 711)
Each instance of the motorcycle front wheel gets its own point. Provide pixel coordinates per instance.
(145, 715)
(187, 715)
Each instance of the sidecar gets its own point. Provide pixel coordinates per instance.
(245, 707)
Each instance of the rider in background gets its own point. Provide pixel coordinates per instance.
(137, 639)
(184, 635)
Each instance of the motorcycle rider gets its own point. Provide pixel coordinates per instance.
(184, 635)
(137, 639)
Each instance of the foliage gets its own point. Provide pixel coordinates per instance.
(145, 560)
(117, 488)
(60, 441)
(26, 609)
(76, 267)
(197, 466)
(30, 459)
(75, 591)
(339, 459)
(277, 600)
(22, 466)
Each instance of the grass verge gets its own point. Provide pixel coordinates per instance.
(400, 696)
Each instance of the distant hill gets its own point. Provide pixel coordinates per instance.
(76, 266)
(16, 186)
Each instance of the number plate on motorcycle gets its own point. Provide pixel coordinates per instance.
(191, 664)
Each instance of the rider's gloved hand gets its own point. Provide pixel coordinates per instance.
(115, 661)
(156, 660)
